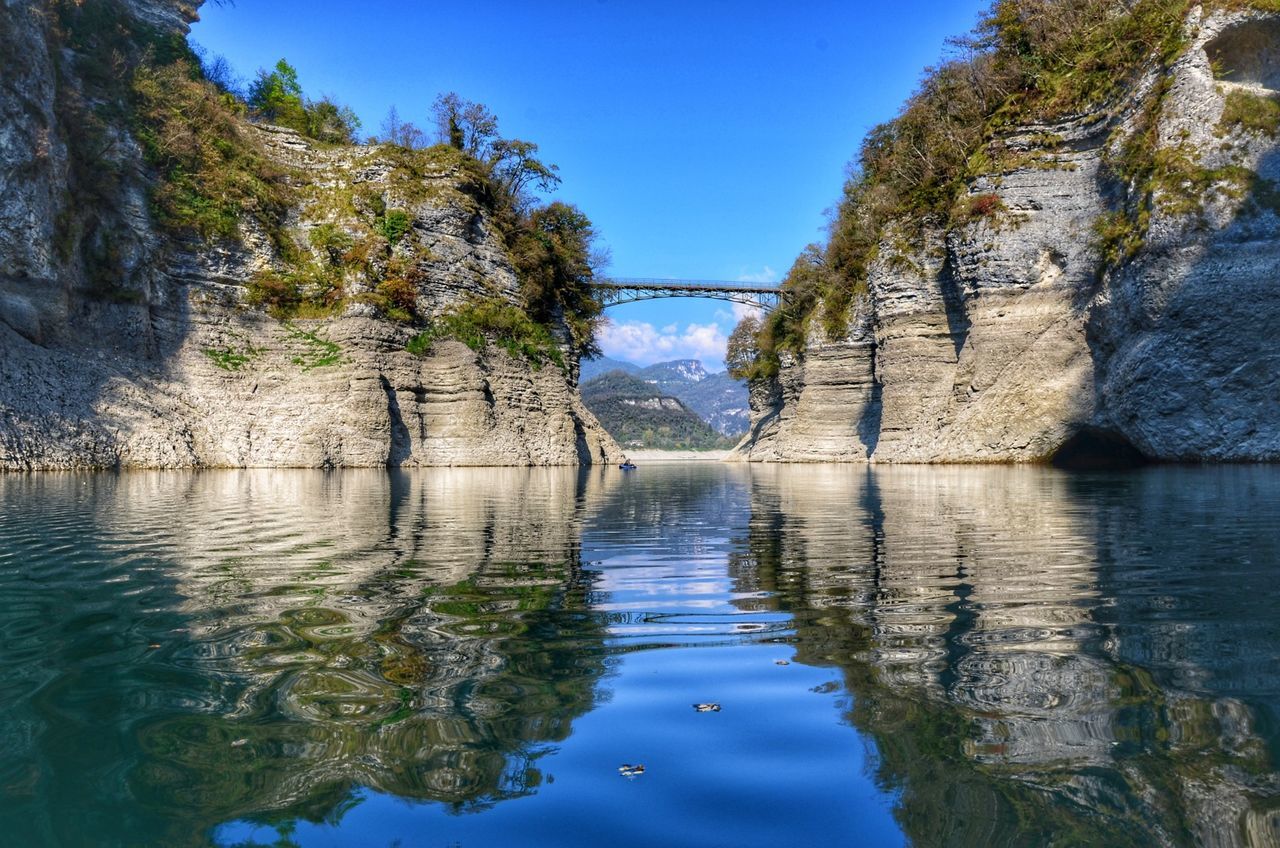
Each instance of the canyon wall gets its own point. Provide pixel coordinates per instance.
(163, 363)
(1012, 338)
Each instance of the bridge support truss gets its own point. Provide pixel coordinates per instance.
(618, 292)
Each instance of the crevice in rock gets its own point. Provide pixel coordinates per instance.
(401, 444)
(1096, 449)
(958, 322)
(869, 423)
(580, 444)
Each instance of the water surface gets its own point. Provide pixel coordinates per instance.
(912, 656)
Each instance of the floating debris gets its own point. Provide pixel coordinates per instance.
(707, 708)
(782, 662)
(629, 770)
(239, 743)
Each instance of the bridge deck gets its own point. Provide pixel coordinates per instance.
(725, 286)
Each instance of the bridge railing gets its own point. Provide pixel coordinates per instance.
(620, 290)
(686, 285)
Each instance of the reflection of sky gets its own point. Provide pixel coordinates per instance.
(963, 643)
(774, 767)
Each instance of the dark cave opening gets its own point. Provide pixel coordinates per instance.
(1094, 449)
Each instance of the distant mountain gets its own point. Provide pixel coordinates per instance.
(592, 368)
(678, 372)
(640, 415)
(718, 399)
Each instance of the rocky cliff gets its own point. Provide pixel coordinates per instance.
(125, 344)
(1019, 335)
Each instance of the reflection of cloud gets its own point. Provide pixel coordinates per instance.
(643, 343)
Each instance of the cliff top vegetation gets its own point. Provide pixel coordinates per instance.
(213, 176)
(1026, 62)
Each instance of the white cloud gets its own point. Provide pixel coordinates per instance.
(644, 344)
(742, 310)
(736, 312)
(767, 275)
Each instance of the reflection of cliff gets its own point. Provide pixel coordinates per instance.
(1039, 657)
(424, 635)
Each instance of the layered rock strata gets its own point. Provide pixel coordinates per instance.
(1009, 338)
(171, 368)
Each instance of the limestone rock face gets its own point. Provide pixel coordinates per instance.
(175, 370)
(1008, 338)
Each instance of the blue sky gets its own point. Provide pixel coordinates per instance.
(704, 139)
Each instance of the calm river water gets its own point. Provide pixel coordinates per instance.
(904, 656)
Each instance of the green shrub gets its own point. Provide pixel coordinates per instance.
(1120, 237)
(335, 242)
(394, 224)
(396, 295)
(213, 174)
(483, 321)
(230, 359)
(420, 345)
(311, 291)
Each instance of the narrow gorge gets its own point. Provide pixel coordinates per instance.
(1087, 285)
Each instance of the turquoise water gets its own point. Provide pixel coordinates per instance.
(909, 656)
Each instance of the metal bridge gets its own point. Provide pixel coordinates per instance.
(614, 292)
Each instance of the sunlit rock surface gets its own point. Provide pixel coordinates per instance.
(1003, 339)
(140, 379)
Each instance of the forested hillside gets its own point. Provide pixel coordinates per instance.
(639, 415)
(718, 399)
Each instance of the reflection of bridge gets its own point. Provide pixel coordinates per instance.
(616, 292)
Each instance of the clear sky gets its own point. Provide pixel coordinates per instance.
(705, 138)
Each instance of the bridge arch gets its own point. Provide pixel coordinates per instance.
(615, 292)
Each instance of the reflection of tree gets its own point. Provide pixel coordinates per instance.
(425, 635)
(1017, 690)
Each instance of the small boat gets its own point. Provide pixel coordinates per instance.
(628, 466)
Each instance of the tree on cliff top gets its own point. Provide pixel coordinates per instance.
(743, 349)
(276, 96)
(399, 132)
(552, 249)
(466, 125)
